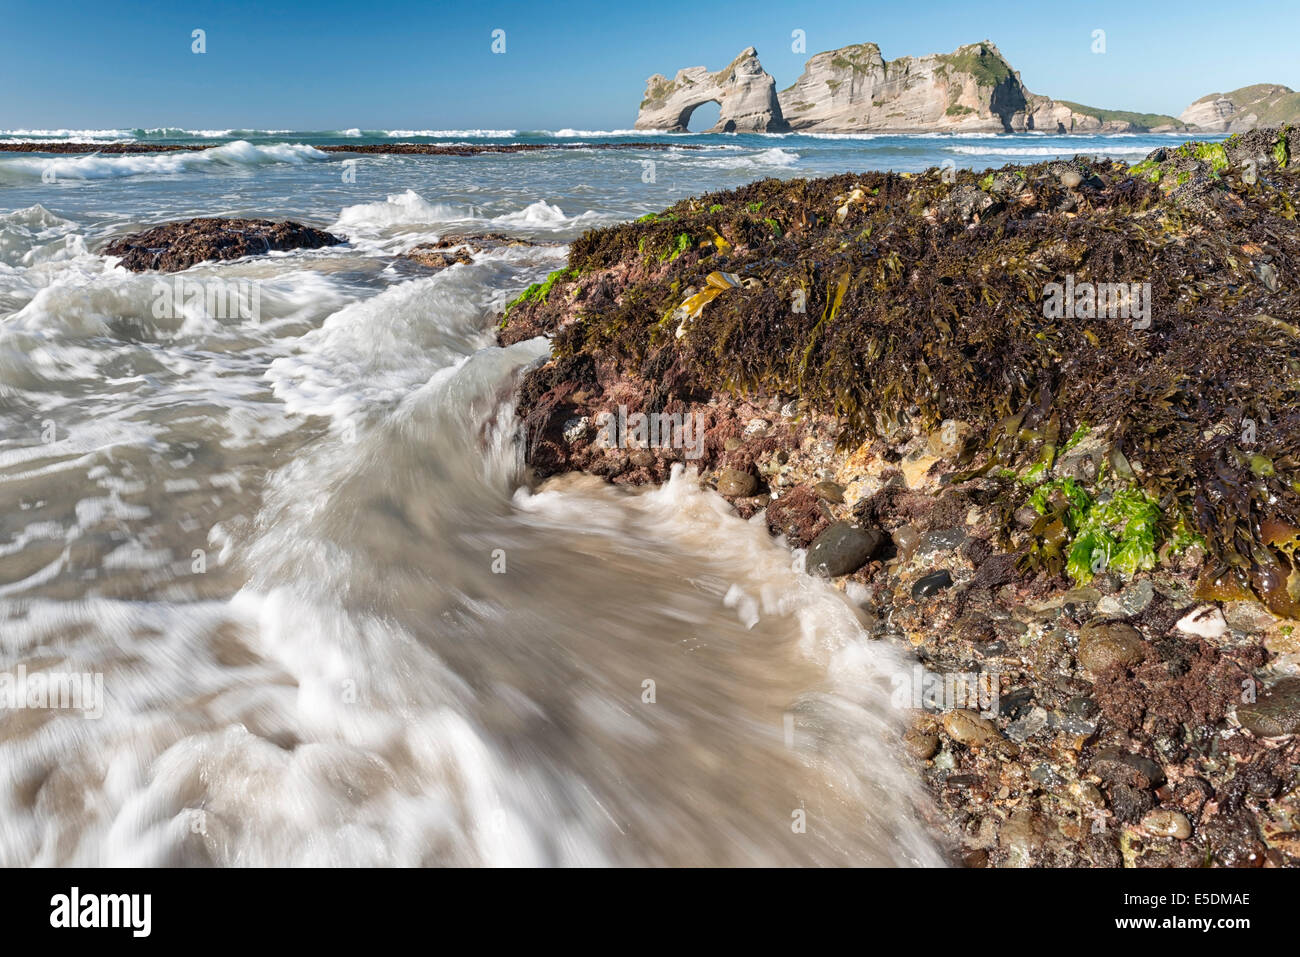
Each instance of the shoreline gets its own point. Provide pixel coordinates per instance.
(423, 149)
(865, 359)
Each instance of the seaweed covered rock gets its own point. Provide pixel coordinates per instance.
(172, 247)
(456, 248)
(1057, 404)
(1144, 313)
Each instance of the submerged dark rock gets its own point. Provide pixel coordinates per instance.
(172, 247)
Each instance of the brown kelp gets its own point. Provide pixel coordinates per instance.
(1146, 311)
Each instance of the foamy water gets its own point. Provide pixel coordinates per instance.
(334, 621)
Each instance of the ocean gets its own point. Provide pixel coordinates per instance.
(330, 620)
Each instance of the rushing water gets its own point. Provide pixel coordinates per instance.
(332, 622)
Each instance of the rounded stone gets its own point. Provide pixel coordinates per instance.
(1103, 644)
(931, 584)
(733, 483)
(968, 728)
(1275, 713)
(1166, 823)
(842, 549)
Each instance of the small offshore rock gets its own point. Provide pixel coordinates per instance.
(842, 549)
(733, 483)
(1165, 823)
(1275, 713)
(178, 245)
(1103, 644)
(931, 584)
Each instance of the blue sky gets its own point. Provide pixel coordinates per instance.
(332, 64)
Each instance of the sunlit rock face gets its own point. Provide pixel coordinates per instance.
(744, 91)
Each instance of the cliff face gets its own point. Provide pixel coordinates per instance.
(745, 92)
(855, 89)
(1264, 104)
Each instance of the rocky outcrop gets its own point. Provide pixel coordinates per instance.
(1061, 116)
(172, 247)
(1061, 510)
(855, 89)
(745, 92)
(457, 248)
(972, 89)
(1264, 104)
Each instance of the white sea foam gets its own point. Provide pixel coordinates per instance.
(94, 166)
(1065, 149)
(774, 158)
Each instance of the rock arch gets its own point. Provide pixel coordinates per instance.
(743, 90)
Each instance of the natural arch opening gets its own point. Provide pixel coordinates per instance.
(704, 117)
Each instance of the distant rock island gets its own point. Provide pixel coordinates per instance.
(1264, 104)
(971, 90)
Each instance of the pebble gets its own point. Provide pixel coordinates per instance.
(756, 426)
(733, 483)
(1102, 644)
(1165, 823)
(1117, 768)
(1129, 602)
(906, 540)
(830, 492)
(842, 549)
(1024, 728)
(642, 458)
(931, 584)
(968, 728)
(575, 429)
(1247, 617)
(1275, 713)
(1267, 274)
(1206, 622)
(942, 540)
(1069, 176)
(921, 744)
(731, 444)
